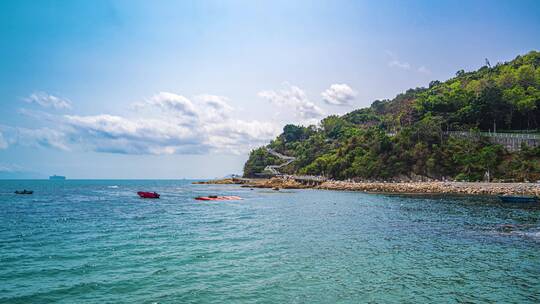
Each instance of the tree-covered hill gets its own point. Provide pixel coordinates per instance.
(407, 135)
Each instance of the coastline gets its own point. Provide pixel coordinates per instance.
(431, 187)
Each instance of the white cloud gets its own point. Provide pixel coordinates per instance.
(339, 94)
(44, 137)
(205, 106)
(41, 137)
(179, 127)
(294, 97)
(166, 123)
(213, 107)
(170, 103)
(48, 101)
(116, 134)
(220, 103)
(238, 136)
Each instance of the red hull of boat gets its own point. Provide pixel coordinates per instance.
(218, 198)
(148, 194)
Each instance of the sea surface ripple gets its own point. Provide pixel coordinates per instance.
(95, 241)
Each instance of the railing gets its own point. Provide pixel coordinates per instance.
(496, 135)
(271, 151)
(288, 160)
(273, 168)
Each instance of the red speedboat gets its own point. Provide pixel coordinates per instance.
(218, 198)
(143, 194)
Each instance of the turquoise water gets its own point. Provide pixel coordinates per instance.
(97, 242)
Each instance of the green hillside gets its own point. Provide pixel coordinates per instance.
(406, 136)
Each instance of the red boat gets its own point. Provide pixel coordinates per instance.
(143, 194)
(218, 198)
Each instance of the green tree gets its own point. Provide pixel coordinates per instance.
(526, 75)
(489, 157)
(292, 133)
(257, 161)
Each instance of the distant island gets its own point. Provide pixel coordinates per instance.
(57, 177)
(478, 126)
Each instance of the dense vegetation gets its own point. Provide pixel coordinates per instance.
(405, 136)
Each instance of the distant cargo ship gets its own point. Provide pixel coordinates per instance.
(57, 177)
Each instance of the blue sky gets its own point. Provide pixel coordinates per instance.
(180, 89)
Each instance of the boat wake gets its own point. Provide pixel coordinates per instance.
(520, 230)
(529, 234)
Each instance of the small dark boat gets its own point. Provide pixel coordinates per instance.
(518, 199)
(143, 194)
(217, 198)
(24, 192)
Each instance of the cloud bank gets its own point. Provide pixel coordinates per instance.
(165, 123)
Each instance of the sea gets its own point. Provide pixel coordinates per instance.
(96, 241)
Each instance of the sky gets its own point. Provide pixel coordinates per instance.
(185, 89)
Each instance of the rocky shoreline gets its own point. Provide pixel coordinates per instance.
(431, 187)
(468, 188)
(223, 181)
